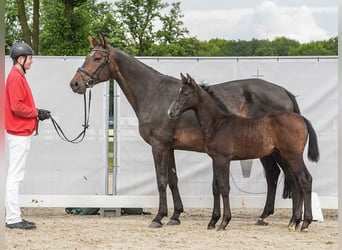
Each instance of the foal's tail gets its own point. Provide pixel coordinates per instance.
(313, 151)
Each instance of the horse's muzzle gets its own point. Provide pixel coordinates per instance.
(77, 87)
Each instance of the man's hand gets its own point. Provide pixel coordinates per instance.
(43, 114)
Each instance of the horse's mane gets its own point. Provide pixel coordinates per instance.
(129, 57)
(217, 100)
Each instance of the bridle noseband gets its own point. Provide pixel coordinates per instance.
(94, 76)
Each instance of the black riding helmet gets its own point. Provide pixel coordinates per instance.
(20, 49)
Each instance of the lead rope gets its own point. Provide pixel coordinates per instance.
(82, 134)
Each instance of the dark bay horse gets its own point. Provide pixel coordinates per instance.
(231, 137)
(150, 93)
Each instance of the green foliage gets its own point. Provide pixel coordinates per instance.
(137, 17)
(139, 27)
(65, 28)
(172, 30)
(328, 47)
(12, 33)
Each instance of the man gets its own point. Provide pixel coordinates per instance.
(21, 118)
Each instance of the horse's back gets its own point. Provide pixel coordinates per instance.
(252, 97)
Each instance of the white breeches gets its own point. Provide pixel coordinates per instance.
(19, 147)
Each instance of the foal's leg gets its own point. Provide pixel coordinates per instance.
(305, 179)
(221, 172)
(295, 195)
(272, 173)
(173, 183)
(297, 205)
(304, 186)
(216, 214)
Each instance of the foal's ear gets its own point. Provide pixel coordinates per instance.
(103, 41)
(190, 80)
(92, 41)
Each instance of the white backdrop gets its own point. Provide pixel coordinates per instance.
(55, 167)
(314, 82)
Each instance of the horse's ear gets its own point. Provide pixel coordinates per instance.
(103, 41)
(92, 41)
(183, 78)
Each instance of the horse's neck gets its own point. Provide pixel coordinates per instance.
(208, 114)
(133, 77)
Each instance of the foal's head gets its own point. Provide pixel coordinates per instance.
(186, 99)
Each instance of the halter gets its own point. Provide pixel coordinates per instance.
(94, 76)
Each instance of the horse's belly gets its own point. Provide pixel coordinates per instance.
(188, 140)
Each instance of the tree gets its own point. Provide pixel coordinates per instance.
(66, 25)
(309, 49)
(26, 15)
(283, 45)
(105, 21)
(138, 17)
(30, 35)
(173, 29)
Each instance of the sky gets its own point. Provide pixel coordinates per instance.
(302, 20)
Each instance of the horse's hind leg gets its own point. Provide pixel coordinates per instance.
(306, 181)
(173, 183)
(272, 173)
(297, 205)
(304, 187)
(297, 201)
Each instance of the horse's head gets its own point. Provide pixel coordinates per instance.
(186, 98)
(95, 69)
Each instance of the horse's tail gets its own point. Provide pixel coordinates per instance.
(287, 192)
(294, 102)
(313, 151)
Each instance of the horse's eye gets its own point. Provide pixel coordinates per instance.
(97, 59)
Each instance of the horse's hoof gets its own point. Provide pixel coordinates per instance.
(297, 226)
(210, 227)
(304, 230)
(221, 228)
(291, 227)
(155, 225)
(173, 223)
(261, 222)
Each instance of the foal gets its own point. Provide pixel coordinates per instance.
(230, 137)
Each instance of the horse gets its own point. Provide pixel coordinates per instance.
(231, 137)
(150, 93)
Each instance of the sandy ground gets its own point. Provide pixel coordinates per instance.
(58, 230)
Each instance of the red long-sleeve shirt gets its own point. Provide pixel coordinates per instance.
(20, 110)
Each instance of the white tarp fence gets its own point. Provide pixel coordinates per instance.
(60, 172)
(55, 167)
(314, 82)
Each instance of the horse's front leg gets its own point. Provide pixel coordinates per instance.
(221, 172)
(161, 161)
(173, 183)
